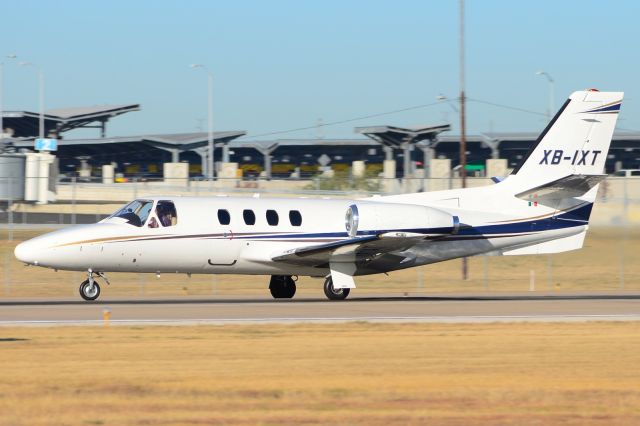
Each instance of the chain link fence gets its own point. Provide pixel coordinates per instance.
(609, 260)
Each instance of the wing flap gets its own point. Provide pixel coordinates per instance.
(349, 250)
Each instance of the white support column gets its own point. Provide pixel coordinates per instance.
(107, 173)
(496, 167)
(427, 155)
(439, 174)
(225, 153)
(37, 168)
(388, 152)
(358, 169)
(176, 173)
(43, 177)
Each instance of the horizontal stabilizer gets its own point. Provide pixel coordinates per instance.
(567, 187)
(573, 242)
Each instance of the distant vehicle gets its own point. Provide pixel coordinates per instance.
(543, 206)
(70, 178)
(627, 173)
(146, 177)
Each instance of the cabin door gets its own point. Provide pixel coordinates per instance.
(224, 250)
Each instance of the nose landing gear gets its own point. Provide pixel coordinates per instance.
(89, 289)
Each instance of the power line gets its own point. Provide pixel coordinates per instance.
(350, 120)
(528, 111)
(364, 117)
(382, 114)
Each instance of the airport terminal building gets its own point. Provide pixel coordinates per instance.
(144, 155)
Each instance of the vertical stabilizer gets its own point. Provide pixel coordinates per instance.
(575, 142)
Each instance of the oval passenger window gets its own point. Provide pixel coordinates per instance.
(295, 217)
(224, 217)
(272, 217)
(249, 217)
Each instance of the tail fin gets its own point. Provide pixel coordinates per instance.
(564, 167)
(575, 142)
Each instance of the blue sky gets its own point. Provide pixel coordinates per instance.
(285, 64)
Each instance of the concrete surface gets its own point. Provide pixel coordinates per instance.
(443, 308)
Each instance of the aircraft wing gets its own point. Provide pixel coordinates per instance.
(566, 187)
(350, 250)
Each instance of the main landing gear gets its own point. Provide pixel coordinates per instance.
(89, 289)
(334, 293)
(282, 286)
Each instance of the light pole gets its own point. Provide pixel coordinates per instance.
(1, 102)
(448, 101)
(210, 156)
(41, 96)
(2, 97)
(551, 92)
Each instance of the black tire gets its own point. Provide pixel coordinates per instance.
(84, 291)
(282, 287)
(334, 293)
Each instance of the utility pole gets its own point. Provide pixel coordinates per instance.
(463, 136)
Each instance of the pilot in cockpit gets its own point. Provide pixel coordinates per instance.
(166, 213)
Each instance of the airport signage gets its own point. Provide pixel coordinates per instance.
(43, 144)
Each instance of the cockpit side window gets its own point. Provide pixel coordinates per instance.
(136, 212)
(166, 212)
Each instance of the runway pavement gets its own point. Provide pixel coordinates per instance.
(441, 308)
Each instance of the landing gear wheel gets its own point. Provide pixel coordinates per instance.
(334, 293)
(282, 287)
(88, 292)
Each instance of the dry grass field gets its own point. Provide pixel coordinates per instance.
(608, 254)
(353, 374)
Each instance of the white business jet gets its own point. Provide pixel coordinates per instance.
(543, 206)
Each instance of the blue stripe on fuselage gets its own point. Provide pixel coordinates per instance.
(577, 217)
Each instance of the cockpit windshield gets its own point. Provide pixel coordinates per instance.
(135, 213)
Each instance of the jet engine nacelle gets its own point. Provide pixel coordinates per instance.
(383, 217)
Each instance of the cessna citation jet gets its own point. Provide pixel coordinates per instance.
(543, 206)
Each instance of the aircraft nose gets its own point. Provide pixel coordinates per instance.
(25, 252)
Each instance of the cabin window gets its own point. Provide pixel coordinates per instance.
(224, 217)
(272, 217)
(295, 217)
(166, 212)
(136, 212)
(249, 217)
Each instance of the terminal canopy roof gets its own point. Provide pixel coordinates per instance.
(134, 145)
(396, 137)
(25, 124)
